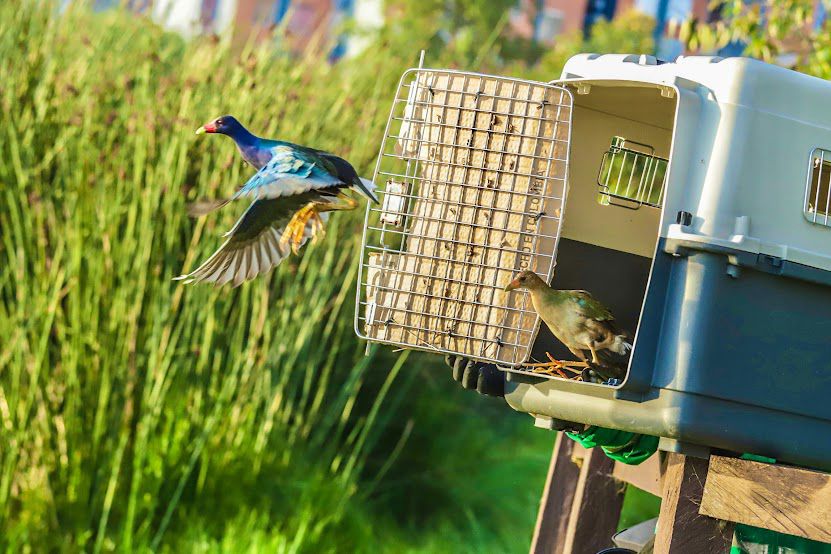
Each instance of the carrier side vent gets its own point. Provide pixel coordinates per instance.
(818, 190)
(631, 175)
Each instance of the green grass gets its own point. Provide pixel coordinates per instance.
(137, 414)
(638, 506)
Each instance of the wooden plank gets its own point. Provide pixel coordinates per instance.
(595, 512)
(681, 529)
(781, 498)
(646, 476)
(557, 497)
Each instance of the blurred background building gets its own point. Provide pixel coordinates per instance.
(544, 20)
(541, 21)
(304, 20)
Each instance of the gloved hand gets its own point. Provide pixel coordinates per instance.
(485, 378)
(621, 446)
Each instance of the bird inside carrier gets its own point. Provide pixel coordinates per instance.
(481, 177)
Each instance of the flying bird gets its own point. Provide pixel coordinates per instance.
(293, 191)
(584, 325)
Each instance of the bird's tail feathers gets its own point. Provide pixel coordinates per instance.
(367, 188)
(205, 206)
(613, 364)
(622, 346)
(239, 265)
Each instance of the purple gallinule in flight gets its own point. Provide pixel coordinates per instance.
(292, 193)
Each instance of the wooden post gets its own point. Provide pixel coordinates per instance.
(782, 498)
(557, 497)
(581, 504)
(580, 507)
(681, 529)
(596, 509)
(646, 476)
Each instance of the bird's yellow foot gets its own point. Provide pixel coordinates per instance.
(557, 368)
(318, 228)
(296, 229)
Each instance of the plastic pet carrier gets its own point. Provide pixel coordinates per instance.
(691, 198)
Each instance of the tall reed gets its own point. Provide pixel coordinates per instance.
(128, 400)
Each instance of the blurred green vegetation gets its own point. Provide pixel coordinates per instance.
(137, 414)
(768, 30)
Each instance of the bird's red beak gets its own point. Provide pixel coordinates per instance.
(206, 128)
(512, 285)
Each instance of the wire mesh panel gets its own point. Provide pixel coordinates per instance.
(472, 176)
(631, 175)
(818, 192)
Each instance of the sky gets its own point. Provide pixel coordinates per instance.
(678, 9)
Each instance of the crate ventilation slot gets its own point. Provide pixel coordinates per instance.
(472, 173)
(818, 193)
(631, 175)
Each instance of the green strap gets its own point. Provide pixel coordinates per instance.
(758, 458)
(750, 539)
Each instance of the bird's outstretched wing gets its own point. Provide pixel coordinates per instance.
(590, 307)
(253, 245)
(291, 171)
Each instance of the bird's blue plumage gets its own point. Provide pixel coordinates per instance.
(289, 177)
(289, 171)
(259, 152)
(255, 154)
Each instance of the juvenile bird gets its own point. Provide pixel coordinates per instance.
(293, 190)
(581, 323)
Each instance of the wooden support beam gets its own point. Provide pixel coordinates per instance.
(595, 512)
(557, 497)
(646, 476)
(780, 498)
(681, 530)
(580, 507)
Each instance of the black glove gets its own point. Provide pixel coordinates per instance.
(485, 378)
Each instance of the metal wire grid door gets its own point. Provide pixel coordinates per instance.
(472, 175)
(818, 190)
